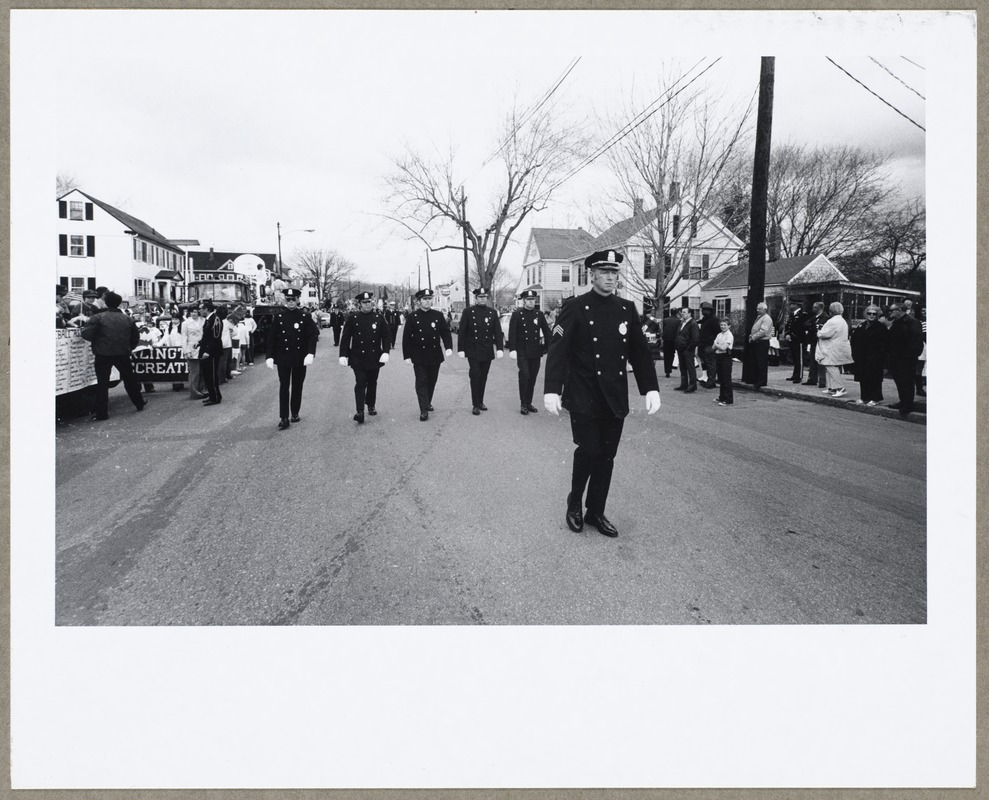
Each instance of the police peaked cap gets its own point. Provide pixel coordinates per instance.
(529, 293)
(480, 292)
(292, 292)
(604, 258)
(424, 293)
(364, 296)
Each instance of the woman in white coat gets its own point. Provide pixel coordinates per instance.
(834, 350)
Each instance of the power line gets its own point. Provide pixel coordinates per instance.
(886, 102)
(913, 62)
(897, 78)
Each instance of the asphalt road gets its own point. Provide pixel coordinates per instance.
(771, 511)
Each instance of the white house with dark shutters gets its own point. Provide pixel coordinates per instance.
(99, 245)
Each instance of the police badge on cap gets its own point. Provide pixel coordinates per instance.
(364, 297)
(480, 292)
(528, 294)
(604, 259)
(424, 293)
(292, 293)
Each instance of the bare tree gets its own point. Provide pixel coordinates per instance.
(682, 160)
(427, 197)
(325, 269)
(902, 243)
(65, 183)
(825, 200)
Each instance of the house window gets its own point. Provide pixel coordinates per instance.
(722, 307)
(540, 274)
(565, 273)
(144, 252)
(676, 225)
(581, 275)
(77, 284)
(705, 267)
(77, 245)
(647, 266)
(142, 288)
(667, 264)
(76, 209)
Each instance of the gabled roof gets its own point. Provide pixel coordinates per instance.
(621, 232)
(561, 243)
(138, 226)
(169, 274)
(778, 272)
(201, 259)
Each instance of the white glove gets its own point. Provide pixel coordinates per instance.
(408, 361)
(383, 359)
(307, 361)
(343, 361)
(513, 355)
(270, 363)
(652, 402)
(552, 403)
(461, 353)
(499, 353)
(448, 352)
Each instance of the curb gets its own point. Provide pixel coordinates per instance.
(917, 417)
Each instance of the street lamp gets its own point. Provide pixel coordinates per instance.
(297, 230)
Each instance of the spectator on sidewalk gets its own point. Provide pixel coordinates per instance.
(723, 344)
(687, 338)
(922, 363)
(671, 327)
(834, 350)
(793, 333)
(113, 336)
(247, 344)
(710, 327)
(758, 349)
(226, 337)
(869, 346)
(906, 343)
(815, 375)
(192, 335)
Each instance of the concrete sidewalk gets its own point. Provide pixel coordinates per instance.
(780, 385)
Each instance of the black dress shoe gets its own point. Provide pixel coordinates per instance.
(283, 424)
(482, 406)
(524, 411)
(430, 407)
(689, 389)
(212, 403)
(476, 411)
(894, 405)
(575, 518)
(809, 383)
(371, 411)
(296, 418)
(532, 408)
(359, 418)
(423, 416)
(679, 388)
(141, 407)
(98, 418)
(600, 521)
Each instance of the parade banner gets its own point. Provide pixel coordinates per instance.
(160, 365)
(73, 361)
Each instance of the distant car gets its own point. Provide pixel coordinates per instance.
(324, 319)
(455, 321)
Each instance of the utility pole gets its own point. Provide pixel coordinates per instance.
(429, 273)
(463, 214)
(760, 202)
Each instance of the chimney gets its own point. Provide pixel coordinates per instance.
(774, 243)
(674, 191)
(210, 259)
(637, 206)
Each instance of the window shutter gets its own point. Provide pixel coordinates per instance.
(91, 283)
(90, 246)
(685, 302)
(63, 244)
(89, 210)
(63, 209)
(728, 306)
(63, 282)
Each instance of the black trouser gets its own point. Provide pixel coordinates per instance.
(796, 354)
(759, 362)
(815, 372)
(336, 334)
(669, 350)
(597, 440)
(478, 374)
(723, 365)
(210, 368)
(871, 383)
(102, 365)
(706, 353)
(426, 375)
(365, 387)
(291, 378)
(528, 372)
(905, 379)
(688, 372)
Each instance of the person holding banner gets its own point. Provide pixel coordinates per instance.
(113, 335)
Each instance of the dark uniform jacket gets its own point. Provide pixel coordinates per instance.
(212, 342)
(111, 333)
(425, 337)
(671, 327)
(709, 328)
(292, 337)
(688, 335)
(480, 333)
(795, 329)
(394, 319)
(812, 325)
(365, 337)
(906, 340)
(595, 339)
(523, 333)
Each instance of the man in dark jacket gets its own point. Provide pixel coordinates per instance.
(394, 320)
(425, 336)
(686, 342)
(815, 374)
(364, 347)
(596, 338)
(524, 345)
(211, 355)
(292, 348)
(906, 343)
(336, 323)
(113, 335)
(794, 332)
(709, 327)
(671, 327)
(479, 332)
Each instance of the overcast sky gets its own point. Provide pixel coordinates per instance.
(216, 125)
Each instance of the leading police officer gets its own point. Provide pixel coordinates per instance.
(480, 331)
(292, 347)
(596, 339)
(425, 336)
(524, 344)
(364, 346)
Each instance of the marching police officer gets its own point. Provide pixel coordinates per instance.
(425, 341)
(480, 330)
(292, 347)
(597, 337)
(394, 319)
(525, 346)
(364, 346)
